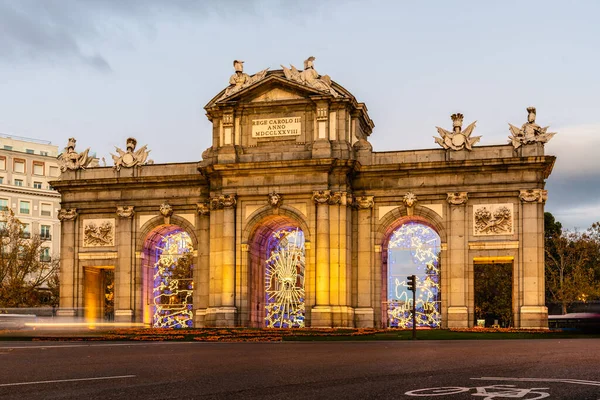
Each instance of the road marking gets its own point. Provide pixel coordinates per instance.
(555, 380)
(67, 380)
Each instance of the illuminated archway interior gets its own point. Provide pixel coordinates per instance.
(413, 249)
(284, 279)
(172, 280)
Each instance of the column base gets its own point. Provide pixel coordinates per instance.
(123, 315)
(320, 317)
(364, 317)
(220, 317)
(200, 318)
(458, 317)
(533, 317)
(342, 316)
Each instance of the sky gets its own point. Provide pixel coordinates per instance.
(104, 70)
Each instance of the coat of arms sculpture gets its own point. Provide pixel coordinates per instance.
(130, 158)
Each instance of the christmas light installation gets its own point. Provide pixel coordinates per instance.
(284, 279)
(173, 283)
(414, 250)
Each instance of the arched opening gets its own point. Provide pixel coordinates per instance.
(168, 279)
(277, 268)
(412, 248)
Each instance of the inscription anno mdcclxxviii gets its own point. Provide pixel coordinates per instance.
(276, 127)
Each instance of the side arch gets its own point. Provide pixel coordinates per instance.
(256, 218)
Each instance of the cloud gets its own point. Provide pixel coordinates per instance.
(576, 150)
(56, 30)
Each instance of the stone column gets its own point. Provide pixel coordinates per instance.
(321, 313)
(533, 312)
(68, 262)
(125, 262)
(455, 273)
(222, 310)
(201, 270)
(342, 312)
(363, 313)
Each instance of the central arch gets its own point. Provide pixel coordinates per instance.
(277, 273)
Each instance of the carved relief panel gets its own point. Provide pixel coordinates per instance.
(99, 232)
(493, 219)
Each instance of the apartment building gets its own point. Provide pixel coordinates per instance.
(26, 167)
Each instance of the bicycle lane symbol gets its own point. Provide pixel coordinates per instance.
(486, 392)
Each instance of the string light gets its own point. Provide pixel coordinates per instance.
(284, 280)
(423, 244)
(173, 284)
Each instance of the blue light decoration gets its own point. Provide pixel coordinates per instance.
(173, 282)
(284, 279)
(414, 249)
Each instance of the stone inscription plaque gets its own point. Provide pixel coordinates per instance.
(272, 127)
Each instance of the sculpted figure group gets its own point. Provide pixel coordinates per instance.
(458, 139)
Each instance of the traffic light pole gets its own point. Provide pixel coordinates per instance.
(412, 286)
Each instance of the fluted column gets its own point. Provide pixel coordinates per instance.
(321, 313)
(364, 315)
(68, 244)
(455, 273)
(201, 271)
(124, 268)
(533, 312)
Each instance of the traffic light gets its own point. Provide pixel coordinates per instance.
(411, 280)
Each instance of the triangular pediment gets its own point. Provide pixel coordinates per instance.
(274, 87)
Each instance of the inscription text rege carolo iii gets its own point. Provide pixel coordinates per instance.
(276, 127)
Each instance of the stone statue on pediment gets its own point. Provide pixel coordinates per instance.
(71, 160)
(240, 80)
(530, 132)
(310, 77)
(130, 158)
(457, 139)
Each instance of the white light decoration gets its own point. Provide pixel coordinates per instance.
(173, 283)
(284, 280)
(414, 249)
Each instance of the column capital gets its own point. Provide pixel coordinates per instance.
(457, 198)
(203, 208)
(223, 201)
(321, 196)
(364, 202)
(125, 211)
(533, 195)
(67, 214)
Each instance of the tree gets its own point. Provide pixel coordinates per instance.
(571, 264)
(25, 268)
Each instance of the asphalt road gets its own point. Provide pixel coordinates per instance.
(534, 369)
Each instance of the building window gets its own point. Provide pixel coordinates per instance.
(7, 147)
(24, 207)
(1, 180)
(19, 165)
(45, 254)
(18, 182)
(43, 153)
(54, 171)
(45, 232)
(26, 231)
(37, 185)
(3, 163)
(29, 151)
(3, 204)
(46, 210)
(38, 168)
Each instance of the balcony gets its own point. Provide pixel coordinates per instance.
(45, 236)
(25, 235)
(45, 258)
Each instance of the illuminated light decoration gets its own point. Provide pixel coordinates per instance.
(173, 283)
(284, 280)
(414, 249)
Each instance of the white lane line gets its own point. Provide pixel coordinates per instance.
(68, 380)
(555, 380)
